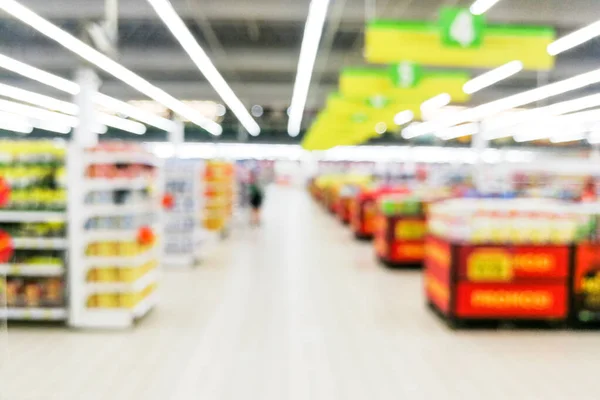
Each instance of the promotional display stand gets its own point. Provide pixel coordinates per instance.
(466, 283)
(400, 232)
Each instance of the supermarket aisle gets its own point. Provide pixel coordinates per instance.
(296, 310)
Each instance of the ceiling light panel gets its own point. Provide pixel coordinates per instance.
(574, 39)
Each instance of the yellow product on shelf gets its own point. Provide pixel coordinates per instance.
(107, 300)
(107, 275)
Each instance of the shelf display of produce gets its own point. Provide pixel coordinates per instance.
(183, 232)
(218, 191)
(501, 259)
(115, 236)
(33, 244)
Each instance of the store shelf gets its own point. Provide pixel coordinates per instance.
(31, 270)
(112, 210)
(92, 184)
(121, 261)
(121, 157)
(32, 216)
(145, 305)
(34, 314)
(40, 243)
(122, 287)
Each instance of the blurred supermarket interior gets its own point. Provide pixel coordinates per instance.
(299, 199)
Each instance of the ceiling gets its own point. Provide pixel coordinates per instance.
(255, 43)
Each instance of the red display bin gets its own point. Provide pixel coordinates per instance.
(400, 240)
(466, 282)
(363, 211)
(586, 284)
(343, 209)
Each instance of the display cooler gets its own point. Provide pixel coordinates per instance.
(363, 211)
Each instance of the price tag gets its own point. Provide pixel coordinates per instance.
(14, 270)
(490, 265)
(48, 314)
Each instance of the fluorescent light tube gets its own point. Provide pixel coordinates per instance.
(510, 102)
(574, 39)
(69, 108)
(436, 102)
(134, 112)
(481, 6)
(105, 63)
(313, 30)
(459, 131)
(14, 123)
(121, 123)
(169, 16)
(38, 99)
(492, 77)
(73, 88)
(403, 117)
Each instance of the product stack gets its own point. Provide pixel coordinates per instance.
(183, 231)
(33, 244)
(501, 259)
(219, 192)
(116, 234)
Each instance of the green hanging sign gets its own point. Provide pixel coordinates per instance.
(460, 28)
(406, 74)
(378, 101)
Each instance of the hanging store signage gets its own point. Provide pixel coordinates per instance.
(458, 39)
(460, 28)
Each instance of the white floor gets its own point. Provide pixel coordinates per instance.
(296, 310)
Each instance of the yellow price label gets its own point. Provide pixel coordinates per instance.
(15, 270)
(490, 265)
(410, 230)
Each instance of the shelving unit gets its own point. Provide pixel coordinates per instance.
(184, 233)
(115, 271)
(33, 217)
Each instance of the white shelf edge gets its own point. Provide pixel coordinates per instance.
(119, 210)
(122, 287)
(120, 157)
(91, 184)
(24, 243)
(121, 261)
(119, 318)
(145, 305)
(33, 314)
(32, 216)
(31, 270)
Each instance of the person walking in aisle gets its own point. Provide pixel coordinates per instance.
(256, 199)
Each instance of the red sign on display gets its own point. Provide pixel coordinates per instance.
(437, 260)
(4, 192)
(510, 300)
(6, 247)
(407, 251)
(504, 264)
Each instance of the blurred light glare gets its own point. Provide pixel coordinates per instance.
(381, 128)
(257, 110)
(404, 117)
